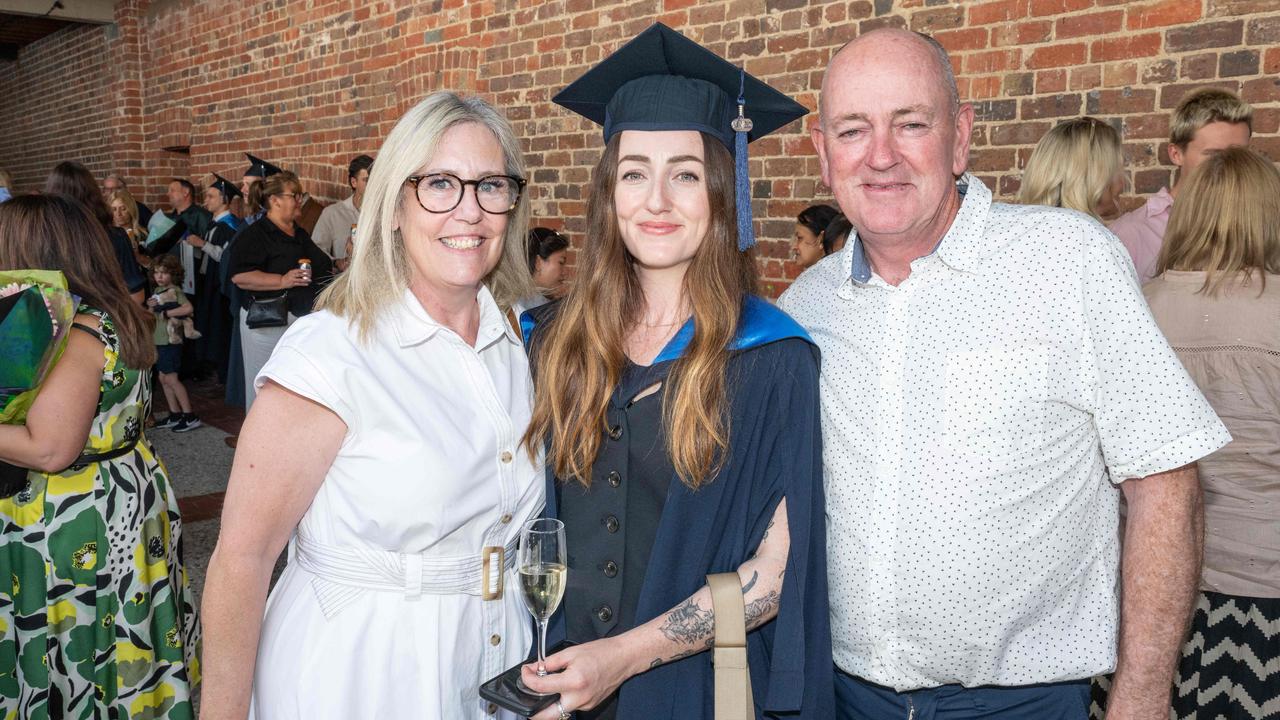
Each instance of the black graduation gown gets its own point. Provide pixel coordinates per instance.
(213, 309)
(775, 451)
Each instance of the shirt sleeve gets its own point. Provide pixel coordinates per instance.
(326, 235)
(1149, 414)
(295, 371)
(248, 253)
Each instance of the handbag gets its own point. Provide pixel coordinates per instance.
(733, 676)
(268, 312)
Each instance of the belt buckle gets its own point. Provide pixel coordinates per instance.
(487, 593)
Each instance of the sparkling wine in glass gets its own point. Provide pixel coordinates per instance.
(541, 562)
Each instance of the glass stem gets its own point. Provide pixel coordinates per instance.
(542, 647)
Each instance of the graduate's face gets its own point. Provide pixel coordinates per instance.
(452, 252)
(247, 182)
(213, 200)
(660, 197)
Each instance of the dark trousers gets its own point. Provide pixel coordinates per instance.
(857, 699)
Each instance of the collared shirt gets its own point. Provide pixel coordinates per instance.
(1141, 231)
(431, 468)
(972, 417)
(334, 227)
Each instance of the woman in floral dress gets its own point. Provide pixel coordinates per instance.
(96, 617)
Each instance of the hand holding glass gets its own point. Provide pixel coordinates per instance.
(541, 562)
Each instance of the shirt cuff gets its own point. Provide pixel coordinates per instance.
(1181, 451)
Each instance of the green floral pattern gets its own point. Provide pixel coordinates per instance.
(96, 616)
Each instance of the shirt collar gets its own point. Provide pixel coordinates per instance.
(963, 245)
(1159, 203)
(222, 214)
(413, 325)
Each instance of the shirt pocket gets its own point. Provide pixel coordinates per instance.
(996, 401)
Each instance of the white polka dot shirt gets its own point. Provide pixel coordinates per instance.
(972, 417)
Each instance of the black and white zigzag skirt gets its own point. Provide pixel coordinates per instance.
(1230, 667)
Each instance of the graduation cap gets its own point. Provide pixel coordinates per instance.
(260, 168)
(228, 188)
(661, 80)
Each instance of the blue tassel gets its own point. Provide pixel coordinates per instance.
(742, 181)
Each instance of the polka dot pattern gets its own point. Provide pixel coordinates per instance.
(976, 420)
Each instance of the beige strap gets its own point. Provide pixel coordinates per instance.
(733, 678)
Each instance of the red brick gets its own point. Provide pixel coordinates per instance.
(1120, 102)
(994, 61)
(1022, 133)
(1124, 73)
(1160, 14)
(1051, 106)
(957, 40)
(1204, 35)
(1271, 65)
(1000, 11)
(1125, 48)
(1199, 67)
(1099, 23)
(1218, 8)
(1262, 90)
(1051, 81)
(1171, 95)
(1085, 78)
(1058, 7)
(1147, 126)
(1263, 31)
(931, 21)
(1266, 121)
(1058, 55)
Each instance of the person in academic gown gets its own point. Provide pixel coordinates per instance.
(679, 411)
(213, 310)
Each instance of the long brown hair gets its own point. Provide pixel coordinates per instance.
(580, 356)
(74, 180)
(56, 232)
(1226, 222)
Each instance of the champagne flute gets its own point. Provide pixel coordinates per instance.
(542, 565)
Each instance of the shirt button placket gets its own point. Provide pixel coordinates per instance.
(890, 489)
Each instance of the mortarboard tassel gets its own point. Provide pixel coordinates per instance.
(742, 182)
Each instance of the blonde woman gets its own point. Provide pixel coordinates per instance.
(384, 442)
(124, 215)
(1076, 165)
(1217, 297)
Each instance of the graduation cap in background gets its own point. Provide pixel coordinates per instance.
(260, 168)
(661, 80)
(228, 188)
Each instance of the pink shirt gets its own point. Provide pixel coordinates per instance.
(1141, 231)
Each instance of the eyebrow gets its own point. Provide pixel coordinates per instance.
(670, 161)
(908, 110)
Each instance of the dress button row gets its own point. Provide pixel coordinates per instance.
(611, 524)
(505, 456)
(614, 478)
(605, 613)
(611, 569)
(506, 518)
(615, 432)
(495, 639)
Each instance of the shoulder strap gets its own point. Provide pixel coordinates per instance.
(92, 331)
(733, 677)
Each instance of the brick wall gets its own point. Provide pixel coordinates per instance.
(311, 83)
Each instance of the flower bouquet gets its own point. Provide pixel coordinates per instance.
(36, 311)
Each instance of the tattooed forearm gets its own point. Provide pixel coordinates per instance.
(680, 655)
(761, 610)
(755, 575)
(688, 623)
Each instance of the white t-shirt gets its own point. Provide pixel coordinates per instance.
(334, 227)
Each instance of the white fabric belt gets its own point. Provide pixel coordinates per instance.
(345, 572)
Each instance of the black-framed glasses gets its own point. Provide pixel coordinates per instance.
(442, 192)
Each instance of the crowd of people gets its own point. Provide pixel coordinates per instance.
(981, 460)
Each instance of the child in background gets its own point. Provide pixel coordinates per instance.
(170, 303)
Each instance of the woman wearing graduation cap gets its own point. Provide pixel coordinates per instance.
(679, 410)
(213, 309)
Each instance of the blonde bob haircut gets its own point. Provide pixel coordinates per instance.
(1072, 166)
(380, 267)
(1226, 222)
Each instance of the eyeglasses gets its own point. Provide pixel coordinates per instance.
(442, 192)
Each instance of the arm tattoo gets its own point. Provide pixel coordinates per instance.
(757, 609)
(688, 623)
(750, 583)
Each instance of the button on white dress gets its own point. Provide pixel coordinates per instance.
(379, 613)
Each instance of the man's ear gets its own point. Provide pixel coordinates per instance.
(1177, 155)
(816, 137)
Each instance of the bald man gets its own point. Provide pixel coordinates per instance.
(991, 383)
